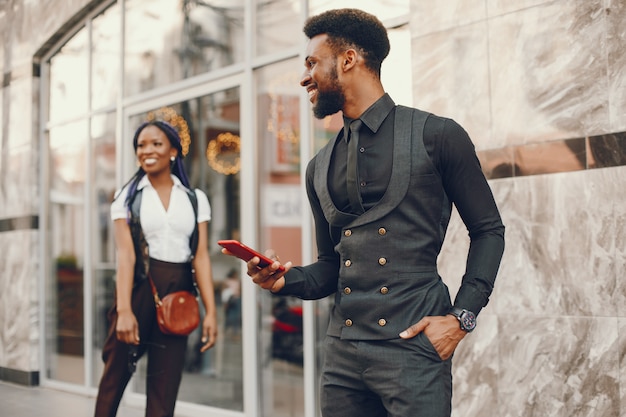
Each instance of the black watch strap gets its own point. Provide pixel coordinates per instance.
(467, 319)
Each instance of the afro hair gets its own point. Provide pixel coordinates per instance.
(352, 28)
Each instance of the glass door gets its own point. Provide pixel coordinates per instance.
(209, 126)
(281, 328)
(64, 327)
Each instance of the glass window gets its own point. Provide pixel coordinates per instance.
(278, 26)
(281, 361)
(105, 55)
(167, 41)
(64, 295)
(395, 73)
(69, 69)
(214, 378)
(103, 173)
(79, 242)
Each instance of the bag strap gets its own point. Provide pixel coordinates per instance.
(157, 300)
(193, 239)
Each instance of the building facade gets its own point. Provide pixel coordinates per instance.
(539, 85)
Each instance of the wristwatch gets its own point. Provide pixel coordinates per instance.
(466, 318)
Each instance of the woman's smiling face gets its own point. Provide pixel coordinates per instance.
(154, 150)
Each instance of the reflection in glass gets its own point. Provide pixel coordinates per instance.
(103, 245)
(607, 150)
(105, 50)
(497, 163)
(64, 287)
(550, 157)
(69, 69)
(281, 337)
(396, 72)
(167, 41)
(214, 378)
(278, 25)
(563, 155)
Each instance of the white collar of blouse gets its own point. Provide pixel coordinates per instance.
(145, 182)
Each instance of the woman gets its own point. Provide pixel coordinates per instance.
(162, 218)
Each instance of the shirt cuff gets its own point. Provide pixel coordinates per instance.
(470, 299)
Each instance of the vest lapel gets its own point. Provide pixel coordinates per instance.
(400, 171)
(407, 123)
(333, 215)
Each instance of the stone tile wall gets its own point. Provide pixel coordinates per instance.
(539, 85)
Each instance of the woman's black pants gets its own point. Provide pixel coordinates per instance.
(165, 353)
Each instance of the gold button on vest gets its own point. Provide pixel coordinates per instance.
(348, 322)
(384, 290)
(347, 233)
(382, 231)
(347, 263)
(382, 322)
(347, 290)
(382, 261)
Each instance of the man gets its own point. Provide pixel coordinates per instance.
(379, 228)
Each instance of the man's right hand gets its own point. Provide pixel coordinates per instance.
(268, 278)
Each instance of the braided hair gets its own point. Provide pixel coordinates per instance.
(177, 166)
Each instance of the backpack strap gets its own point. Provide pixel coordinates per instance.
(142, 254)
(135, 206)
(193, 239)
(141, 246)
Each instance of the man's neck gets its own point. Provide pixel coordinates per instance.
(361, 98)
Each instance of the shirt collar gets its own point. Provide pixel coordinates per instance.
(375, 115)
(144, 182)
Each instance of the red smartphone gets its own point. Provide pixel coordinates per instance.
(245, 253)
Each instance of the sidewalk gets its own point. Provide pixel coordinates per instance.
(21, 401)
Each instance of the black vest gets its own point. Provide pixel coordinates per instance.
(142, 253)
(388, 276)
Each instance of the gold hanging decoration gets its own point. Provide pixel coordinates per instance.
(169, 115)
(223, 153)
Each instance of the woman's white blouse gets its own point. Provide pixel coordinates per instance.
(167, 232)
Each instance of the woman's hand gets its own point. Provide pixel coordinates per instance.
(209, 332)
(127, 329)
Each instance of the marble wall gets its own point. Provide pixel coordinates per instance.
(534, 82)
(19, 306)
(25, 27)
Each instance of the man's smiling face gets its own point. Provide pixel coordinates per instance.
(321, 79)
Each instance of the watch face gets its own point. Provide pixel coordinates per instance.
(467, 320)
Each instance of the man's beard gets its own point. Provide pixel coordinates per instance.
(329, 101)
